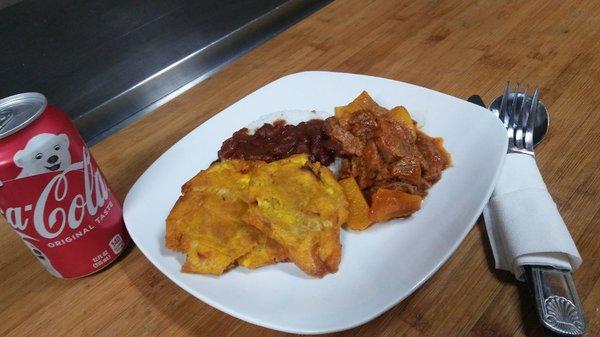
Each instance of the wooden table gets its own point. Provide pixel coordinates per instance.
(457, 47)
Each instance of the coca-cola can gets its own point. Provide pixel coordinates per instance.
(52, 192)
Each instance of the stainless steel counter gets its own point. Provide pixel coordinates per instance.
(108, 62)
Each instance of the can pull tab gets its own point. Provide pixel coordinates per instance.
(5, 117)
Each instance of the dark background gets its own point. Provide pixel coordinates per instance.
(80, 53)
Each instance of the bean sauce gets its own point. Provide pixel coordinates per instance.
(279, 140)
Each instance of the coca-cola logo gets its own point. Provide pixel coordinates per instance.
(58, 205)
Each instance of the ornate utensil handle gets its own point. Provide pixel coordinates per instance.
(556, 300)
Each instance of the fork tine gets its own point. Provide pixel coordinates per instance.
(522, 120)
(512, 119)
(531, 120)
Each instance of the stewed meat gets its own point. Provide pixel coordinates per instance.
(383, 151)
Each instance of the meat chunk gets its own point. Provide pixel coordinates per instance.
(398, 185)
(407, 168)
(394, 140)
(435, 157)
(346, 169)
(350, 143)
(365, 169)
(363, 125)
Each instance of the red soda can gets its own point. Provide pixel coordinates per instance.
(52, 192)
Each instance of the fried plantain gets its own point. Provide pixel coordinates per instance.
(206, 224)
(266, 252)
(301, 206)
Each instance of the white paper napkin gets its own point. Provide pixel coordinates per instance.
(523, 223)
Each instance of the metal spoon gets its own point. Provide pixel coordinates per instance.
(542, 120)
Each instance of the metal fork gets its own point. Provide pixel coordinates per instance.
(519, 121)
(550, 287)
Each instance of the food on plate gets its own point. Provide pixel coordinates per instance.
(278, 140)
(252, 214)
(206, 224)
(301, 206)
(400, 114)
(393, 203)
(393, 162)
(271, 198)
(358, 210)
(435, 157)
(266, 252)
(362, 102)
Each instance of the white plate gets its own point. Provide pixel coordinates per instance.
(380, 266)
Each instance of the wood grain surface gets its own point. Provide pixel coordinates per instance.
(457, 47)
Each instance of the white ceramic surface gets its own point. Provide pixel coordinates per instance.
(380, 266)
